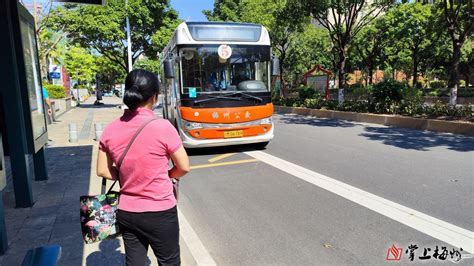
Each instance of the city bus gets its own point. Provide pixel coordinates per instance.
(216, 80)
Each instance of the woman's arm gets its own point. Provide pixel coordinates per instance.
(105, 166)
(181, 163)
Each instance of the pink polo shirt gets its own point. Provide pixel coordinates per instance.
(145, 184)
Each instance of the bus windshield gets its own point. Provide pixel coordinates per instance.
(204, 71)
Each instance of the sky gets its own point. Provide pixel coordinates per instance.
(191, 10)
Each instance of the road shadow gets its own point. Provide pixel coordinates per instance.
(315, 121)
(54, 217)
(108, 254)
(224, 149)
(418, 140)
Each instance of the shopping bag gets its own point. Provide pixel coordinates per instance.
(98, 220)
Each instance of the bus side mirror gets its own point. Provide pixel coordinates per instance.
(168, 68)
(275, 66)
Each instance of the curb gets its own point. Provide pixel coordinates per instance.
(464, 128)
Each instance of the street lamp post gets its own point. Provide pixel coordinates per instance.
(129, 39)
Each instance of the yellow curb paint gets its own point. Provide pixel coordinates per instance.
(220, 157)
(222, 164)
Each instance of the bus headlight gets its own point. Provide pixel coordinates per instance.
(266, 121)
(191, 125)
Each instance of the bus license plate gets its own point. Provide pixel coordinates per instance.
(234, 134)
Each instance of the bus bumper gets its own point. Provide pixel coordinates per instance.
(190, 142)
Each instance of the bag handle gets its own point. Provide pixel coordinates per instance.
(119, 163)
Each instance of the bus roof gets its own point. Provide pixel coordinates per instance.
(218, 33)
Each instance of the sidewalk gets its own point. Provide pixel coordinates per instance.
(54, 219)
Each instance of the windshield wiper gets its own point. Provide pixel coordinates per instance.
(214, 98)
(248, 96)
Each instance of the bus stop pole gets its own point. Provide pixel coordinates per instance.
(13, 105)
(39, 161)
(3, 228)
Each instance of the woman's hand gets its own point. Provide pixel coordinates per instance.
(181, 164)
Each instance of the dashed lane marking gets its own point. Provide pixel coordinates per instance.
(194, 244)
(220, 157)
(446, 232)
(222, 164)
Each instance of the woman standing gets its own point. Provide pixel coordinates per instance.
(147, 214)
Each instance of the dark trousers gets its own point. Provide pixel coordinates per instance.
(160, 230)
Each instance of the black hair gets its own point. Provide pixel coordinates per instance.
(140, 85)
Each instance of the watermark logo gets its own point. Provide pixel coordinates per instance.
(440, 253)
(394, 253)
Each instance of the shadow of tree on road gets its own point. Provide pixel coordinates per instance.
(417, 139)
(315, 121)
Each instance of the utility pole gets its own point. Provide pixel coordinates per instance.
(34, 14)
(129, 39)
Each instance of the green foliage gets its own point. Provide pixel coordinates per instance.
(343, 20)
(459, 24)
(368, 48)
(80, 64)
(438, 84)
(224, 10)
(55, 91)
(102, 27)
(313, 103)
(437, 109)
(308, 93)
(397, 98)
(433, 93)
(148, 64)
(308, 48)
(386, 95)
(110, 73)
(466, 92)
(414, 33)
(330, 104)
(362, 92)
(412, 102)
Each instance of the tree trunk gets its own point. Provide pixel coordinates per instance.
(371, 73)
(341, 75)
(415, 73)
(454, 73)
(282, 87)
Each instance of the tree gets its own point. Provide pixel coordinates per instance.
(51, 48)
(109, 72)
(459, 22)
(50, 42)
(466, 66)
(102, 28)
(414, 35)
(344, 20)
(149, 64)
(80, 64)
(308, 48)
(368, 49)
(283, 29)
(224, 10)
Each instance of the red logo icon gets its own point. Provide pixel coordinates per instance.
(394, 253)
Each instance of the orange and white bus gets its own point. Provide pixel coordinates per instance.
(216, 80)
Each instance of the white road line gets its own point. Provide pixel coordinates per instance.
(197, 249)
(446, 232)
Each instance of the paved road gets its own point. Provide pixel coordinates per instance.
(253, 211)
